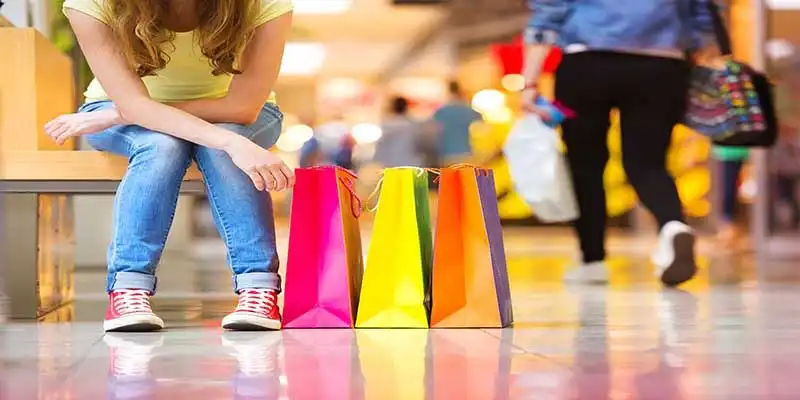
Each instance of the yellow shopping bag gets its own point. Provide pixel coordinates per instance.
(395, 291)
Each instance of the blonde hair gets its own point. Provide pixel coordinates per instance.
(225, 27)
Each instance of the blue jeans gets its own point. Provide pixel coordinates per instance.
(148, 194)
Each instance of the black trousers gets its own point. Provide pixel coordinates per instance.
(650, 94)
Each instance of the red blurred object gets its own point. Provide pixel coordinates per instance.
(511, 57)
(552, 61)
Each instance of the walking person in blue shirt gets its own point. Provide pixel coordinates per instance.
(626, 55)
(454, 120)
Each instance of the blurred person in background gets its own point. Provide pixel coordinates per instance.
(731, 161)
(311, 154)
(454, 120)
(331, 134)
(630, 57)
(158, 103)
(786, 167)
(399, 145)
(320, 150)
(786, 154)
(344, 156)
(332, 144)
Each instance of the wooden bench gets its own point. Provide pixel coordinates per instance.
(38, 179)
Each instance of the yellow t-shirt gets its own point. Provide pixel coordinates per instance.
(187, 75)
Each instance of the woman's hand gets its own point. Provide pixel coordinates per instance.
(529, 97)
(709, 56)
(71, 125)
(265, 169)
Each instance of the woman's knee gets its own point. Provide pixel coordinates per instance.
(265, 130)
(167, 153)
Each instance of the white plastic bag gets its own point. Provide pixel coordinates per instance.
(540, 171)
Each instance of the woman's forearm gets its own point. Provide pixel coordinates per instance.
(535, 54)
(224, 109)
(172, 121)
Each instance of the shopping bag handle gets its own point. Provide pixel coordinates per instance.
(380, 184)
(479, 170)
(372, 196)
(435, 171)
(355, 200)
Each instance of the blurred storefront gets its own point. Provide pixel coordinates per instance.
(776, 223)
(345, 59)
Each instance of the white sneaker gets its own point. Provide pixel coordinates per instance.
(591, 273)
(674, 254)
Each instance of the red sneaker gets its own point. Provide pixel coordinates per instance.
(257, 311)
(129, 311)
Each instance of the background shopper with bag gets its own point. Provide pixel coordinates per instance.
(628, 56)
(731, 161)
(538, 166)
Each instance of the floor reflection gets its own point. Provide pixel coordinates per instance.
(729, 334)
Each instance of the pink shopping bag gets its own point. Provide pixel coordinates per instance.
(325, 264)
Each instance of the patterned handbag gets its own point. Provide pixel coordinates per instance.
(732, 105)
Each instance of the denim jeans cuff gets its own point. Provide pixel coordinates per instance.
(257, 280)
(132, 280)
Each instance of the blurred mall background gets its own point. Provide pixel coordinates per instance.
(346, 59)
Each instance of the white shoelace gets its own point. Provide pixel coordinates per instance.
(132, 301)
(259, 301)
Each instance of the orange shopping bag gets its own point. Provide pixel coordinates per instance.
(470, 280)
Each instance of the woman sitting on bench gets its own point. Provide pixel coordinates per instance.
(178, 81)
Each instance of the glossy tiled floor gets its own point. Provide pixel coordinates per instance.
(732, 333)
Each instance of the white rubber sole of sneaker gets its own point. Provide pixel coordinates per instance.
(134, 323)
(247, 322)
(591, 274)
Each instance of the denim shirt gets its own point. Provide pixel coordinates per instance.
(621, 25)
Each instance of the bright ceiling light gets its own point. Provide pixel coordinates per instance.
(341, 88)
(322, 6)
(294, 137)
(302, 59)
(367, 133)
